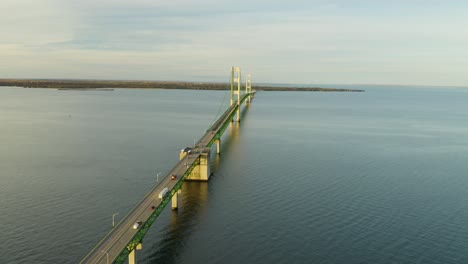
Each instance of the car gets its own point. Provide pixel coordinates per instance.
(153, 207)
(137, 224)
(163, 193)
(173, 177)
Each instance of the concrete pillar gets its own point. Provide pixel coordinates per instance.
(202, 171)
(174, 201)
(205, 165)
(238, 114)
(218, 146)
(132, 255)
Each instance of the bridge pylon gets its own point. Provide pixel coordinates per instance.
(248, 87)
(236, 80)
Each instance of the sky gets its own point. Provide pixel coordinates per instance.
(406, 42)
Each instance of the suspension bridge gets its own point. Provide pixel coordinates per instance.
(122, 242)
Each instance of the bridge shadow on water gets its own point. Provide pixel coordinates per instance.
(192, 203)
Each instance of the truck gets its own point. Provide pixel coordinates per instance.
(163, 193)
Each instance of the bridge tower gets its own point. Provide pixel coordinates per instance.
(236, 79)
(248, 87)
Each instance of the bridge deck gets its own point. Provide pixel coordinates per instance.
(116, 245)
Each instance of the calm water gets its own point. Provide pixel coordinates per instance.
(374, 177)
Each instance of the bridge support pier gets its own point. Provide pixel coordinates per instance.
(218, 146)
(204, 166)
(202, 171)
(132, 255)
(175, 199)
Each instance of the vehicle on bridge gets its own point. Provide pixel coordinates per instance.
(163, 193)
(173, 177)
(137, 224)
(187, 150)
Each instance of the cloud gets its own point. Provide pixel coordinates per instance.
(33, 22)
(278, 41)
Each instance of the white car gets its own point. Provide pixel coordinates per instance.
(137, 224)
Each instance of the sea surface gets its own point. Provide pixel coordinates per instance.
(305, 177)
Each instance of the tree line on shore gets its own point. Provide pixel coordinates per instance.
(96, 84)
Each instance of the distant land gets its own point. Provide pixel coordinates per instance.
(107, 85)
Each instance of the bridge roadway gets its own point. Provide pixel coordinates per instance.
(115, 242)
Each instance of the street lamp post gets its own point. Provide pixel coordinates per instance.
(113, 219)
(107, 256)
(157, 176)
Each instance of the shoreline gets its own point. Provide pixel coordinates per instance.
(94, 85)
